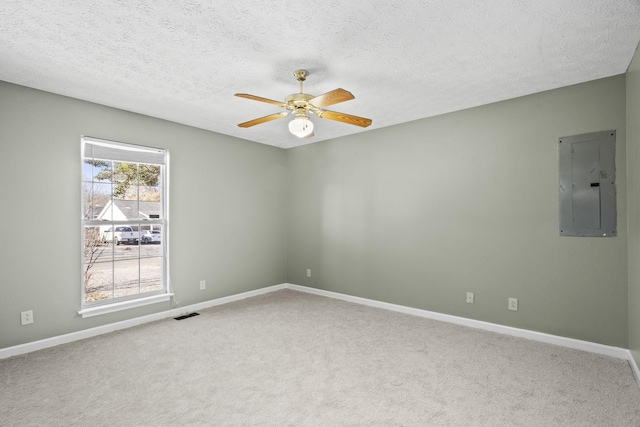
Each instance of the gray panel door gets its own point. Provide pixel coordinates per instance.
(585, 161)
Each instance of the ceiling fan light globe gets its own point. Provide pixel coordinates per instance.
(301, 127)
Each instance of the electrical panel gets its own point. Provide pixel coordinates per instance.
(587, 193)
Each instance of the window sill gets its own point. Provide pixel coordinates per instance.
(123, 305)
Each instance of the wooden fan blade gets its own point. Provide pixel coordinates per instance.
(330, 98)
(263, 119)
(261, 99)
(345, 118)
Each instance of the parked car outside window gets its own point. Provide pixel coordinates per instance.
(151, 236)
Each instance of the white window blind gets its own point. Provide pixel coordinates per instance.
(108, 150)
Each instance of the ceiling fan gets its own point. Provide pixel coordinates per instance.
(301, 104)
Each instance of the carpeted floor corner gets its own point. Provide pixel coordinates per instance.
(289, 358)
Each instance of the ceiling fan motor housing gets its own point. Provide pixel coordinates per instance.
(298, 102)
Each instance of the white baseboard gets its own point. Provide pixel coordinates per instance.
(634, 366)
(99, 330)
(591, 347)
(617, 352)
(224, 300)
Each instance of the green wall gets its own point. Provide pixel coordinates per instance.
(633, 160)
(415, 214)
(420, 213)
(227, 210)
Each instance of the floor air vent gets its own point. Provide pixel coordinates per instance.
(186, 316)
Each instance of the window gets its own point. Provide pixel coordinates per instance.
(124, 226)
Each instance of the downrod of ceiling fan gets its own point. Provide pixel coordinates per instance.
(301, 75)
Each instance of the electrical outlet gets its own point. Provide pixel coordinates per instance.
(470, 297)
(203, 285)
(308, 272)
(26, 317)
(513, 304)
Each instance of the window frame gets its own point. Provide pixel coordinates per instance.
(94, 308)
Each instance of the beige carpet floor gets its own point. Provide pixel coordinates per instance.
(293, 359)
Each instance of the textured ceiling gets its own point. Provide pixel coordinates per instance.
(403, 60)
